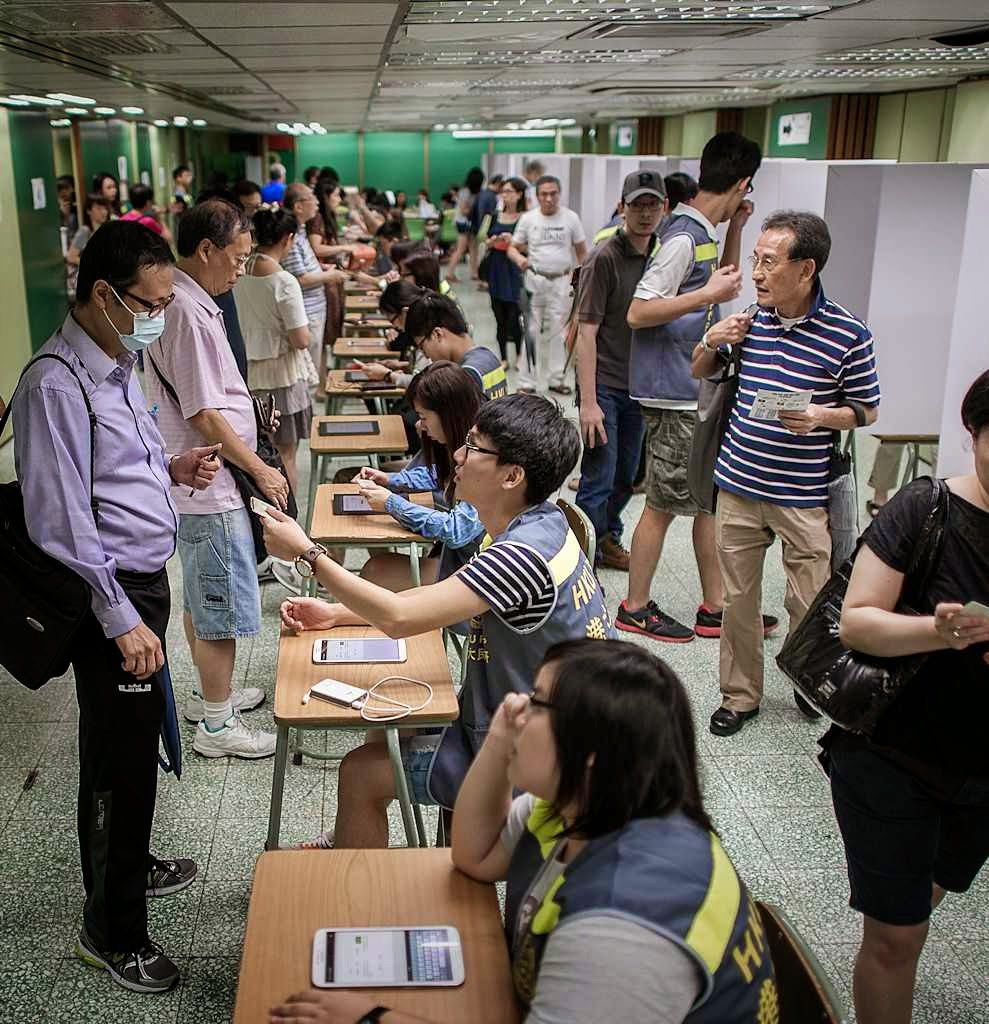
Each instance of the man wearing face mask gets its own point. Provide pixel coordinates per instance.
(119, 545)
(203, 399)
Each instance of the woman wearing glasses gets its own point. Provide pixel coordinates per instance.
(503, 277)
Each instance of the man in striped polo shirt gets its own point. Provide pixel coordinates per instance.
(772, 474)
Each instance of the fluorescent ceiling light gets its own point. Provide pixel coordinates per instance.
(9, 101)
(283, 127)
(532, 133)
(45, 101)
(132, 110)
(437, 127)
(67, 97)
(60, 122)
(198, 122)
(160, 122)
(76, 110)
(104, 110)
(431, 12)
(180, 121)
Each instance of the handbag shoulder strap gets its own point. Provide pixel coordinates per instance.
(164, 380)
(928, 546)
(94, 505)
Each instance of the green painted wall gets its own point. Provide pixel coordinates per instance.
(394, 160)
(889, 126)
(755, 125)
(15, 331)
(102, 142)
(672, 135)
(335, 149)
(144, 161)
(923, 118)
(698, 127)
(970, 123)
(62, 149)
(40, 245)
(614, 147)
(524, 145)
(450, 159)
(571, 140)
(819, 107)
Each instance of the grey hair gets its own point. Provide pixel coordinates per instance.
(811, 238)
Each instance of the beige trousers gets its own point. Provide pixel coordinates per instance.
(744, 529)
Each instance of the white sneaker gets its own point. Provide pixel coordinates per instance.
(240, 700)
(324, 841)
(287, 575)
(233, 740)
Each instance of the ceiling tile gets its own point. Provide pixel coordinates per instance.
(286, 13)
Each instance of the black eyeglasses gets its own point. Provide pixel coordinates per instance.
(538, 702)
(153, 308)
(471, 447)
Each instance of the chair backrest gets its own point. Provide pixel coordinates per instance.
(806, 994)
(582, 527)
(448, 227)
(416, 228)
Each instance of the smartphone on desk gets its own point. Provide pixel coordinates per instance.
(358, 651)
(347, 428)
(429, 955)
(352, 505)
(355, 375)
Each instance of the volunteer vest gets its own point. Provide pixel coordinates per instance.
(665, 874)
(659, 363)
(501, 660)
(487, 367)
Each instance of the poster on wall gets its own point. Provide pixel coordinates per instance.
(624, 136)
(146, 178)
(38, 193)
(122, 169)
(794, 130)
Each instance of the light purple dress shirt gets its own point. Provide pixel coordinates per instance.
(137, 520)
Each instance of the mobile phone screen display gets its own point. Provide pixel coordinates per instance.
(353, 503)
(355, 375)
(396, 957)
(359, 650)
(344, 427)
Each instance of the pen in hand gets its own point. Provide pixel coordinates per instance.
(209, 458)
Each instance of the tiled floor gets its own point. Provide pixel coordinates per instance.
(763, 787)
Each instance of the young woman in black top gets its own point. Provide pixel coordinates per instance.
(913, 802)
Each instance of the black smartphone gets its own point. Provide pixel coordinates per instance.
(348, 428)
(355, 375)
(351, 505)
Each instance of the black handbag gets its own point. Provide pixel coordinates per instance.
(715, 400)
(246, 484)
(42, 601)
(850, 688)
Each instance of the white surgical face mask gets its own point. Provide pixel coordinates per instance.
(147, 329)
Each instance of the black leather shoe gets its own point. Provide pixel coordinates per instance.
(807, 709)
(725, 722)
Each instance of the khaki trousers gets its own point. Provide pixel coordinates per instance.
(744, 529)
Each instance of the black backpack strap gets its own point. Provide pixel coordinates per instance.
(93, 503)
(164, 382)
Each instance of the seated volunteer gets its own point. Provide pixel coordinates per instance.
(610, 858)
(529, 587)
(912, 802)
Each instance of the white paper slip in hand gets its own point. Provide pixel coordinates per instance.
(767, 405)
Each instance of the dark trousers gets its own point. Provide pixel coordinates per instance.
(119, 721)
(508, 317)
(607, 472)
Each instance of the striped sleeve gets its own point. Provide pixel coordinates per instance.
(515, 581)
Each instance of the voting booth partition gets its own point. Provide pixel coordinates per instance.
(968, 348)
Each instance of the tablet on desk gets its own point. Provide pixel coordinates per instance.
(366, 342)
(387, 957)
(348, 428)
(355, 375)
(351, 505)
(358, 651)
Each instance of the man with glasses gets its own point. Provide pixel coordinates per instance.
(193, 379)
(675, 302)
(545, 245)
(529, 588)
(119, 545)
(610, 420)
(772, 474)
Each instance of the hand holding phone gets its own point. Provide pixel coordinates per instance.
(259, 507)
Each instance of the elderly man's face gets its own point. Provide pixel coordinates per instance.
(780, 282)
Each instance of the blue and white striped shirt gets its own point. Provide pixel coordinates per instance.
(829, 352)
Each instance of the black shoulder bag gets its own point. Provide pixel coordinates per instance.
(851, 688)
(42, 601)
(266, 452)
(715, 400)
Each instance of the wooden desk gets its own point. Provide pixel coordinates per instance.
(338, 389)
(348, 348)
(296, 673)
(297, 892)
(361, 303)
(390, 440)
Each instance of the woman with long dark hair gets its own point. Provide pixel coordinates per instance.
(107, 186)
(466, 225)
(504, 278)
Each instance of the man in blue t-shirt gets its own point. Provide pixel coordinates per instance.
(529, 587)
(275, 189)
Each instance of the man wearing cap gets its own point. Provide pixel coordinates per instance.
(675, 303)
(611, 422)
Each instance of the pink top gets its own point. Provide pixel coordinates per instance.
(143, 218)
(195, 357)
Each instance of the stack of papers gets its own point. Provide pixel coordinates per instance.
(768, 405)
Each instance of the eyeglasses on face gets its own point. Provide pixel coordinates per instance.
(471, 447)
(768, 263)
(152, 308)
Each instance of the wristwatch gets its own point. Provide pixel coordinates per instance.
(305, 564)
(373, 1016)
(707, 348)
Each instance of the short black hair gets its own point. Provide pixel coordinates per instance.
(811, 238)
(475, 179)
(397, 296)
(430, 311)
(547, 179)
(271, 226)
(390, 229)
(975, 405)
(312, 171)
(117, 253)
(218, 220)
(726, 160)
(181, 169)
(140, 196)
(680, 187)
(401, 251)
(532, 432)
(423, 267)
(618, 703)
(246, 187)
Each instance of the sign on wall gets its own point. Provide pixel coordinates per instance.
(624, 136)
(38, 193)
(794, 130)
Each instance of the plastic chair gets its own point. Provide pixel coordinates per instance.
(806, 994)
(448, 227)
(582, 527)
(416, 228)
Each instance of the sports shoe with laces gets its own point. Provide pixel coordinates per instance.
(141, 970)
(708, 623)
(324, 841)
(653, 623)
(246, 699)
(233, 740)
(170, 876)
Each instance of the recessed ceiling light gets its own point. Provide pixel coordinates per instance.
(9, 101)
(68, 97)
(283, 127)
(437, 127)
(104, 110)
(532, 133)
(180, 120)
(911, 54)
(45, 101)
(160, 122)
(76, 110)
(132, 110)
(843, 72)
(60, 122)
(198, 122)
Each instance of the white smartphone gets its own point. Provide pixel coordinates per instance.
(339, 693)
(358, 652)
(975, 609)
(387, 957)
(259, 507)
